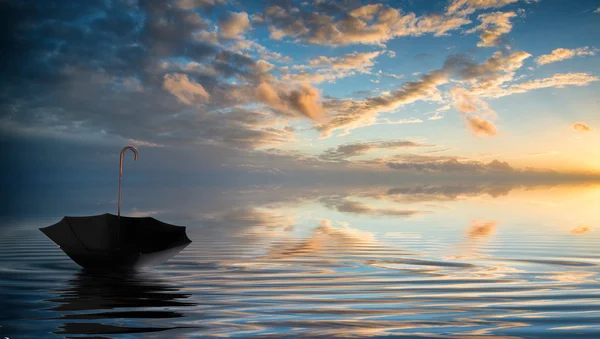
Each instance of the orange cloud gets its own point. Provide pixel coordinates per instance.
(481, 127)
(582, 127)
(234, 24)
(474, 109)
(188, 92)
(303, 100)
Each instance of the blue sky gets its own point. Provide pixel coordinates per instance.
(429, 87)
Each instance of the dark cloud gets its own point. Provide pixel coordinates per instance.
(136, 70)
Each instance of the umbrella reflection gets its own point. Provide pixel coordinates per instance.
(129, 297)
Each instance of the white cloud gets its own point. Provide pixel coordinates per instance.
(465, 7)
(560, 54)
(558, 80)
(493, 26)
(321, 68)
(356, 61)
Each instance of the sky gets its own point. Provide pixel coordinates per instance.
(242, 88)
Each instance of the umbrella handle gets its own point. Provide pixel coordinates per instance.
(135, 157)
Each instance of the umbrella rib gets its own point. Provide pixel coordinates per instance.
(74, 233)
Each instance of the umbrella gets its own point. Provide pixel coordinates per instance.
(109, 241)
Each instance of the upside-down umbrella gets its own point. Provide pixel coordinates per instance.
(109, 241)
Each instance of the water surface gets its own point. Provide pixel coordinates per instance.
(418, 260)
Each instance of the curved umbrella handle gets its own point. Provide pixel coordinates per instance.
(135, 157)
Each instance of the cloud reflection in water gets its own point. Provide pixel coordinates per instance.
(295, 261)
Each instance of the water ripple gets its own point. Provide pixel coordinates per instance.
(304, 287)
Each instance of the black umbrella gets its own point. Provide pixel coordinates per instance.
(110, 241)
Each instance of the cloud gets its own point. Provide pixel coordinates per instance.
(262, 66)
(485, 79)
(597, 10)
(329, 69)
(473, 110)
(142, 143)
(305, 77)
(400, 121)
(306, 101)
(186, 91)
(557, 80)
(464, 102)
(345, 151)
(142, 73)
(487, 76)
(248, 46)
(303, 100)
(267, 94)
(465, 7)
(192, 4)
(356, 61)
(493, 26)
(179, 73)
(369, 24)
(349, 114)
(582, 127)
(481, 127)
(233, 25)
(560, 54)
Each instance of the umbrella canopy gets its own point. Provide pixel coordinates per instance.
(108, 241)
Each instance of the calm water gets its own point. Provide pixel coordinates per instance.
(419, 260)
